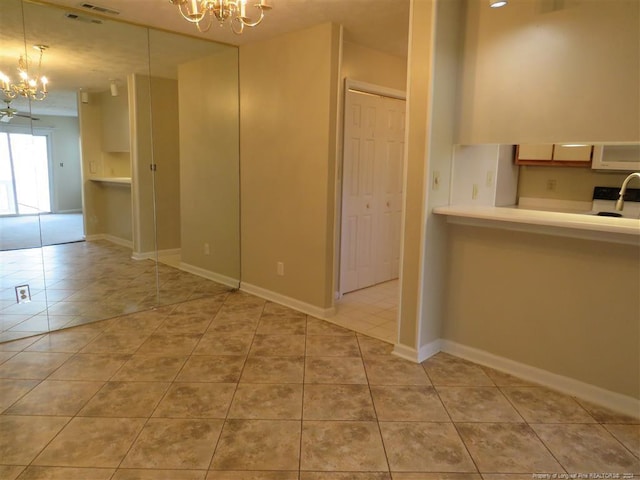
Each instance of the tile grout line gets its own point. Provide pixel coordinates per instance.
(235, 391)
(375, 410)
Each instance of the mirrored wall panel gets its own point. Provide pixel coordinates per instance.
(123, 163)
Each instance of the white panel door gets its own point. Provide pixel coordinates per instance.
(372, 190)
(358, 206)
(391, 152)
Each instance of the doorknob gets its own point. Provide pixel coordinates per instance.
(367, 206)
(388, 204)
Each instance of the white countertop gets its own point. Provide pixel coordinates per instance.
(116, 180)
(609, 229)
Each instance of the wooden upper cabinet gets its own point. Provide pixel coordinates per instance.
(566, 155)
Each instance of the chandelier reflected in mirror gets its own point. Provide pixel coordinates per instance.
(202, 13)
(28, 86)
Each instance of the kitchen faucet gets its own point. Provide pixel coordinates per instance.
(623, 189)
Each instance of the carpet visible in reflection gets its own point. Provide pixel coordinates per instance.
(31, 231)
(86, 282)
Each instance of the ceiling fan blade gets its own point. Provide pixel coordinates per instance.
(24, 115)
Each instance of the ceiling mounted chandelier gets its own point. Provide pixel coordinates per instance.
(31, 87)
(201, 12)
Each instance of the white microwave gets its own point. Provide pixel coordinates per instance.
(619, 156)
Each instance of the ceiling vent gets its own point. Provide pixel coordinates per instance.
(99, 9)
(82, 18)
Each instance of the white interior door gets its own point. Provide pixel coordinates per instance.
(389, 176)
(371, 190)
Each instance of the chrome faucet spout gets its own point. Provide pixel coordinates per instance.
(623, 189)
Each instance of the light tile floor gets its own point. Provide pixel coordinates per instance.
(85, 282)
(231, 387)
(372, 311)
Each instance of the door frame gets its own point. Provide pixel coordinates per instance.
(364, 87)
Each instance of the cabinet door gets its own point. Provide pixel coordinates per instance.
(565, 155)
(572, 153)
(535, 152)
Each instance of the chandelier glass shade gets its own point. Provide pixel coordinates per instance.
(31, 87)
(202, 13)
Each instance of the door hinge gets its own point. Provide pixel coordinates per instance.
(152, 167)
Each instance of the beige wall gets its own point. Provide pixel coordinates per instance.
(107, 207)
(535, 74)
(526, 297)
(115, 211)
(166, 155)
(564, 305)
(142, 195)
(371, 66)
(418, 98)
(442, 121)
(288, 113)
(209, 163)
(571, 183)
(156, 141)
(90, 122)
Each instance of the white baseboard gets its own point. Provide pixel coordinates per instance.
(405, 352)
(417, 356)
(169, 252)
(152, 255)
(216, 277)
(143, 256)
(591, 393)
(93, 238)
(275, 297)
(110, 238)
(73, 210)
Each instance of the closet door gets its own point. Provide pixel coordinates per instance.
(358, 198)
(372, 190)
(389, 188)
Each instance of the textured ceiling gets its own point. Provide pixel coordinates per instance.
(87, 55)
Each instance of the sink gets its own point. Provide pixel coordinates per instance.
(609, 214)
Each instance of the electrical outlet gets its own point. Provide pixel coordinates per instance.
(206, 249)
(23, 294)
(489, 179)
(280, 269)
(474, 191)
(552, 185)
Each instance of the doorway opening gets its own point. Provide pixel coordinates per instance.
(28, 217)
(371, 213)
(24, 174)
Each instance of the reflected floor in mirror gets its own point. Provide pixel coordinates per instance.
(231, 387)
(86, 282)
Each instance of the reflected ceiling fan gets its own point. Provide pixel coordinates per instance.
(7, 113)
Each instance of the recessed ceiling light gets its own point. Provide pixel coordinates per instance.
(497, 3)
